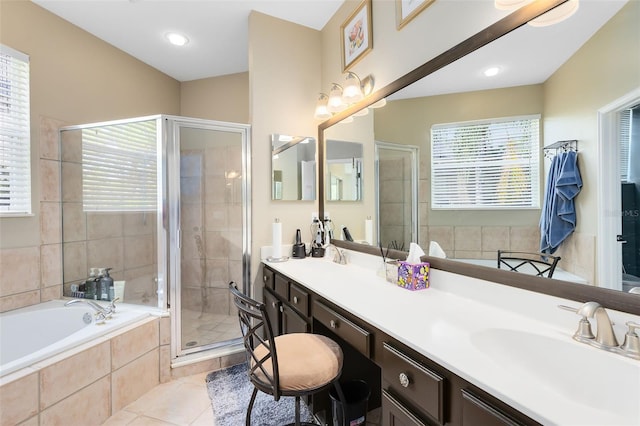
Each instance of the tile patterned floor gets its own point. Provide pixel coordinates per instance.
(206, 328)
(181, 402)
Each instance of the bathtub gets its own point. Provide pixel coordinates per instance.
(38, 332)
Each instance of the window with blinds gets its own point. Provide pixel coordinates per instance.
(488, 164)
(15, 141)
(624, 138)
(119, 167)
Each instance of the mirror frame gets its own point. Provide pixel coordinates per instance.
(612, 299)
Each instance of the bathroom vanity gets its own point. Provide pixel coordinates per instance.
(462, 352)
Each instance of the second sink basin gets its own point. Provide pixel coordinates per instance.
(578, 372)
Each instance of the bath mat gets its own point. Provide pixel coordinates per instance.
(230, 392)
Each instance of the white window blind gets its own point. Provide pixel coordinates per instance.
(15, 149)
(489, 164)
(624, 138)
(119, 167)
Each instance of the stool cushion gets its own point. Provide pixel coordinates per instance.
(305, 361)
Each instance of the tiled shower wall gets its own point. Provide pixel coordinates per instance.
(30, 275)
(395, 200)
(211, 222)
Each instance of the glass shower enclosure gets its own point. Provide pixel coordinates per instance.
(162, 201)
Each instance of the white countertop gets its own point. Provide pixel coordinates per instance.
(514, 344)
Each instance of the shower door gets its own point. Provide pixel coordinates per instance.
(208, 187)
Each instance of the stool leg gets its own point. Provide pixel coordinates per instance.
(297, 411)
(253, 399)
(343, 402)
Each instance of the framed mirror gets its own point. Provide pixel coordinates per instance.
(293, 168)
(448, 78)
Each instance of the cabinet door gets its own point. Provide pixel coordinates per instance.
(477, 412)
(292, 322)
(273, 306)
(396, 414)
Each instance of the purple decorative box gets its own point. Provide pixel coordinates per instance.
(413, 276)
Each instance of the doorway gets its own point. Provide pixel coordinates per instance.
(619, 186)
(209, 210)
(396, 181)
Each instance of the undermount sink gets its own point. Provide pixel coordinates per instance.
(586, 375)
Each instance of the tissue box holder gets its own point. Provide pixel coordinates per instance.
(413, 276)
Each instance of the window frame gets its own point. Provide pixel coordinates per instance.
(15, 132)
(531, 161)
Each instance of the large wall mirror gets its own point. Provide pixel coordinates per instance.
(293, 167)
(565, 74)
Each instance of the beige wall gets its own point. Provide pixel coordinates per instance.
(224, 98)
(284, 83)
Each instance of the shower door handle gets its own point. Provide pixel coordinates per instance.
(620, 239)
(179, 238)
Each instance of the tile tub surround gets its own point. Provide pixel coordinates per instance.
(444, 322)
(89, 383)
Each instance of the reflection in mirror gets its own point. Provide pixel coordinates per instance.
(397, 194)
(567, 89)
(344, 170)
(293, 167)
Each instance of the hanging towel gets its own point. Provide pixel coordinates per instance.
(558, 219)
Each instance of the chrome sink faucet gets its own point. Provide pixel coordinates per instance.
(605, 337)
(338, 255)
(102, 313)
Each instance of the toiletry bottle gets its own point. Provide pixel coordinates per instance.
(90, 285)
(347, 234)
(106, 284)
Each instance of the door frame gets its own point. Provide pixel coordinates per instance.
(609, 251)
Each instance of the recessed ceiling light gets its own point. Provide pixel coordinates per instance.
(490, 72)
(176, 39)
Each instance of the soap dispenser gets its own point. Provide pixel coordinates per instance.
(299, 250)
(106, 285)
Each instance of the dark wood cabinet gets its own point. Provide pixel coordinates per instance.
(412, 389)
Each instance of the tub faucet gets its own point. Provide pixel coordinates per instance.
(605, 337)
(101, 313)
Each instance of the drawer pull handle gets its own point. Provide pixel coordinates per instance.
(295, 299)
(264, 278)
(333, 324)
(404, 380)
(273, 304)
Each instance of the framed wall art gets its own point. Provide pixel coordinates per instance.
(356, 35)
(406, 10)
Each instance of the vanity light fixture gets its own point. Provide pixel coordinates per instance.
(352, 91)
(555, 15)
(176, 39)
(341, 97)
(335, 102)
(322, 112)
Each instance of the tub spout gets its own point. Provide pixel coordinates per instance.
(91, 303)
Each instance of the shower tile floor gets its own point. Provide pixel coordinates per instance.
(200, 328)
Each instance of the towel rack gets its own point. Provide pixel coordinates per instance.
(561, 146)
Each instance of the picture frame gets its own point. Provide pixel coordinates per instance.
(406, 10)
(356, 35)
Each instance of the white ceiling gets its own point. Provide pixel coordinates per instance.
(218, 33)
(217, 29)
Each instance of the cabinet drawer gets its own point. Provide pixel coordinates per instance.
(396, 414)
(299, 299)
(267, 277)
(349, 331)
(413, 381)
(282, 286)
(477, 412)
